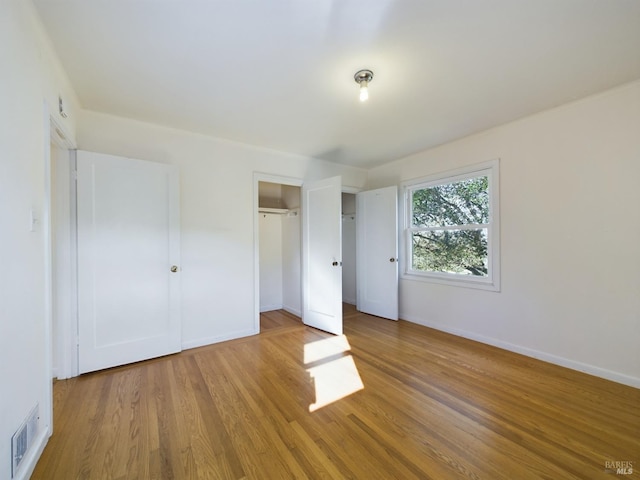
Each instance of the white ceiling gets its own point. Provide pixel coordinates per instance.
(279, 73)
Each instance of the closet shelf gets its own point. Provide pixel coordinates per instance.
(281, 211)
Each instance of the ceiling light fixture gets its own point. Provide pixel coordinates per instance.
(362, 78)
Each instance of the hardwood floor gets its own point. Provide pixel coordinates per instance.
(277, 320)
(418, 404)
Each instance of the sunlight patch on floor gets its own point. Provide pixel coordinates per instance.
(325, 348)
(336, 375)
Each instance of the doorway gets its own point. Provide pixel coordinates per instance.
(279, 251)
(61, 199)
(279, 247)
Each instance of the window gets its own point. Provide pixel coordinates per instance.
(451, 227)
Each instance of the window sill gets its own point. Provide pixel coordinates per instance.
(444, 279)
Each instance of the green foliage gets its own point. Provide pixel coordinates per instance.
(462, 251)
(453, 251)
(451, 204)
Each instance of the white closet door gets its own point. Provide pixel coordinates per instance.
(322, 254)
(377, 252)
(128, 261)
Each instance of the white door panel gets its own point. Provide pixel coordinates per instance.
(128, 240)
(377, 252)
(322, 254)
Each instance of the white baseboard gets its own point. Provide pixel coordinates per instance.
(350, 301)
(293, 311)
(529, 352)
(268, 308)
(30, 462)
(201, 342)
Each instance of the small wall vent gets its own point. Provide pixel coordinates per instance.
(23, 438)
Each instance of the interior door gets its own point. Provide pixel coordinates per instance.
(377, 252)
(322, 254)
(128, 258)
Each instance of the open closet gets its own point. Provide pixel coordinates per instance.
(280, 246)
(280, 243)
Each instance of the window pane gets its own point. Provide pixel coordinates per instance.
(459, 203)
(461, 252)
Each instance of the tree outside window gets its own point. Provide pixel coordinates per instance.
(451, 229)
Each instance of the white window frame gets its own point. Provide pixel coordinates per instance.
(490, 282)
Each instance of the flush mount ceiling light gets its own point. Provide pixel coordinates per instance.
(362, 78)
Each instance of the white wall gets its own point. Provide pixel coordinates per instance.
(349, 258)
(29, 76)
(349, 248)
(292, 258)
(270, 195)
(62, 260)
(292, 251)
(570, 221)
(291, 197)
(216, 213)
(348, 202)
(271, 265)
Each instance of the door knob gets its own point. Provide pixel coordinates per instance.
(174, 268)
(335, 264)
(392, 259)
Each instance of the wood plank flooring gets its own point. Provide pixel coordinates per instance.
(278, 319)
(416, 404)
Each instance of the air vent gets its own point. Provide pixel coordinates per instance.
(23, 438)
